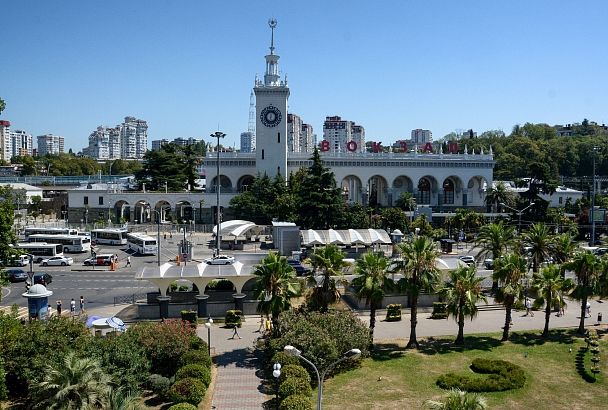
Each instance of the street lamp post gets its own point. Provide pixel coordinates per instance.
(157, 213)
(351, 354)
(276, 372)
(592, 242)
(218, 135)
(518, 212)
(208, 326)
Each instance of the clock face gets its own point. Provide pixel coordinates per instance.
(271, 116)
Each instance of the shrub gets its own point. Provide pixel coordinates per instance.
(3, 390)
(195, 357)
(195, 371)
(296, 402)
(283, 358)
(159, 384)
(293, 370)
(221, 284)
(233, 318)
(440, 310)
(393, 312)
(294, 385)
(164, 343)
(196, 343)
(188, 316)
(187, 390)
(183, 406)
(502, 375)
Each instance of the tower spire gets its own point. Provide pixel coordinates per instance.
(271, 78)
(272, 23)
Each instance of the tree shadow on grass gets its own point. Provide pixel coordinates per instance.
(386, 351)
(152, 400)
(432, 345)
(531, 338)
(580, 366)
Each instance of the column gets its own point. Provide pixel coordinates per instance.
(238, 301)
(201, 301)
(465, 193)
(163, 304)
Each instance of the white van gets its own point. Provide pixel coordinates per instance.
(18, 260)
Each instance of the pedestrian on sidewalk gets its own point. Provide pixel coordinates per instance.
(236, 332)
(588, 313)
(81, 304)
(529, 308)
(59, 307)
(262, 322)
(128, 261)
(72, 306)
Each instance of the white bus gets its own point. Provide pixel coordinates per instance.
(109, 236)
(70, 243)
(31, 230)
(142, 244)
(40, 251)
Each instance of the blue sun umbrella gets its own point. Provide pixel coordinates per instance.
(91, 319)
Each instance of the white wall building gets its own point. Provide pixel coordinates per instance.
(6, 146)
(22, 143)
(50, 144)
(133, 138)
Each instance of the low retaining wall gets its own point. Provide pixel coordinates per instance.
(215, 309)
(424, 300)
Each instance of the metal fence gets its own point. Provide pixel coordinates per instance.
(129, 299)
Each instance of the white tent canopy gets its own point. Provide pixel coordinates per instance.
(348, 237)
(237, 227)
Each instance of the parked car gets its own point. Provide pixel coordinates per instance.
(220, 260)
(600, 251)
(57, 261)
(17, 260)
(489, 263)
(297, 266)
(16, 275)
(42, 278)
(99, 260)
(468, 259)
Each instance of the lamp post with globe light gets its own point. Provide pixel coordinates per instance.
(518, 212)
(352, 354)
(276, 372)
(218, 135)
(208, 325)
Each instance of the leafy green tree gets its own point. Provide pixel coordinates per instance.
(327, 261)
(551, 288)
(320, 202)
(406, 201)
(371, 284)
(274, 287)
(509, 271)
(7, 218)
(461, 294)
(393, 218)
(73, 384)
(163, 166)
(587, 268)
(420, 274)
(539, 240)
(457, 399)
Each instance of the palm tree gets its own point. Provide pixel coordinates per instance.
(328, 261)
(494, 239)
(498, 194)
(509, 271)
(420, 274)
(539, 240)
(457, 399)
(588, 269)
(122, 399)
(563, 248)
(461, 294)
(371, 283)
(75, 384)
(551, 287)
(274, 287)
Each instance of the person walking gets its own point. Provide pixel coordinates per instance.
(529, 308)
(236, 332)
(72, 306)
(81, 304)
(588, 313)
(129, 261)
(262, 322)
(59, 307)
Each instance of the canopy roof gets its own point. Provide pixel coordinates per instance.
(348, 237)
(237, 227)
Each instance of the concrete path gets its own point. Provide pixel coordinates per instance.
(239, 381)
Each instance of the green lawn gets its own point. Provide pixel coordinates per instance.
(395, 378)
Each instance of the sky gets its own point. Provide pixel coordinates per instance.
(187, 67)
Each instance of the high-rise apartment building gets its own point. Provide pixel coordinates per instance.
(104, 143)
(307, 138)
(22, 143)
(247, 142)
(420, 136)
(157, 144)
(6, 146)
(294, 128)
(50, 144)
(339, 133)
(133, 138)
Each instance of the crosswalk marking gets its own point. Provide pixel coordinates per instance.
(21, 311)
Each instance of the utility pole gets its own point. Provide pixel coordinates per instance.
(592, 242)
(218, 135)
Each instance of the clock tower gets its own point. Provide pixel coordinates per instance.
(271, 116)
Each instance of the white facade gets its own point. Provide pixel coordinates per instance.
(247, 142)
(22, 143)
(6, 146)
(557, 199)
(50, 144)
(104, 143)
(294, 130)
(420, 136)
(271, 117)
(338, 133)
(133, 138)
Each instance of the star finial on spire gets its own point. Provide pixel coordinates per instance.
(272, 23)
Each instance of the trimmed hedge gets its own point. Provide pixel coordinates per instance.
(183, 406)
(188, 390)
(234, 318)
(195, 371)
(293, 370)
(294, 385)
(195, 357)
(159, 384)
(502, 375)
(440, 310)
(393, 312)
(284, 359)
(296, 402)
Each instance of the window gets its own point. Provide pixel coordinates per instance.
(262, 154)
(448, 191)
(279, 137)
(424, 191)
(561, 200)
(101, 200)
(86, 200)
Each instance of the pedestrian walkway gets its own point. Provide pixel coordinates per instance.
(21, 311)
(239, 381)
